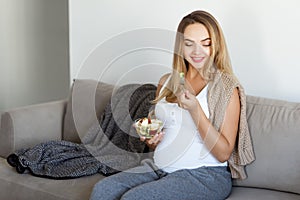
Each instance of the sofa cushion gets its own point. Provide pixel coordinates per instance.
(26, 186)
(239, 193)
(19, 128)
(275, 129)
(86, 103)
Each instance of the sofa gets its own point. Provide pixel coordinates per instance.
(274, 126)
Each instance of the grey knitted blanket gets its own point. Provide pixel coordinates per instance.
(109, 146)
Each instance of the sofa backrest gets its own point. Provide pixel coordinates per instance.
(26, 126)
(274, 126)
(275, 129)
(86, 103)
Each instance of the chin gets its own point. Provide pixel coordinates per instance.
(197, 66)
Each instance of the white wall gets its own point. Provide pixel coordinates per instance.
(110, 40)
(34, 52)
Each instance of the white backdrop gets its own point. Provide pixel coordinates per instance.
(34, 56)
(106, 38)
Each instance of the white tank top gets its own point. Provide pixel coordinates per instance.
(182, 146)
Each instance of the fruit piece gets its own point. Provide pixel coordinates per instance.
(152, 132)
(144, 122)
(181, 74)
(148, 127)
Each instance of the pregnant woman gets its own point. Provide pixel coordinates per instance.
(205, 141)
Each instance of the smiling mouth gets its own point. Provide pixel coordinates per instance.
(197, 59)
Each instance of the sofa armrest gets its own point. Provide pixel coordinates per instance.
(27, 126)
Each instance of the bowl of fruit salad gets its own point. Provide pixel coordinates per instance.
(147, 127)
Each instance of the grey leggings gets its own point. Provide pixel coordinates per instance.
(147, 182)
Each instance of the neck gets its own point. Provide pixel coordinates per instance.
(194, 74)
(195, 81)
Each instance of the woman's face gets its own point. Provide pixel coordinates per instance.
(196, 45)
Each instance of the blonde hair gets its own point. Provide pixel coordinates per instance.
(219, 58)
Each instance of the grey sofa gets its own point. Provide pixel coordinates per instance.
(274, 125)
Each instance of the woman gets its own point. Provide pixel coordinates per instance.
(203, 114)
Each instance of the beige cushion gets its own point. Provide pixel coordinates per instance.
(240, 193)
(86, 103)
(275, 130)
(25, 186)
(27, 126)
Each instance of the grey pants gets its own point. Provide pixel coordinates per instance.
(147, 182)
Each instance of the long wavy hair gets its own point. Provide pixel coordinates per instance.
(218, 60)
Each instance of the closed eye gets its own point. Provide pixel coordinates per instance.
(206, 42)
(188, 44)
(207, 45)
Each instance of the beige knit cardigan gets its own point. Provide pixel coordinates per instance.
(220, 90)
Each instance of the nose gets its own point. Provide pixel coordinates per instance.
(197, 49)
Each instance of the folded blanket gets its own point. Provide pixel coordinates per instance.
(109, 146)
(56, 159)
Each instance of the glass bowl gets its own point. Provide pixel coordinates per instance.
(147, 127)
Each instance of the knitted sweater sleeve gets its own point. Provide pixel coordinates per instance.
(220, 92)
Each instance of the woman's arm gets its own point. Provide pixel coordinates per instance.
(161, 82)
(153, 142)
(221, 143)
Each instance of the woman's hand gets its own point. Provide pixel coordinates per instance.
(187, 101)
(154, 141)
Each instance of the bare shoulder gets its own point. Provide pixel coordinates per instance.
(161, 82)
(234, 104)
(235, 97)
(163, 79)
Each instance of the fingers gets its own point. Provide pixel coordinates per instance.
(142, 138)
(156, 138)
(186, 100)
(187, 94)
(180, 100)
(183, 97)
(154, 141)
